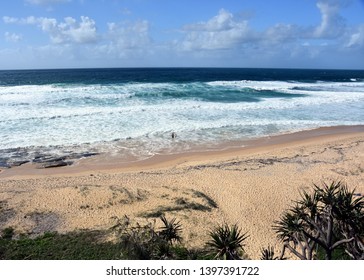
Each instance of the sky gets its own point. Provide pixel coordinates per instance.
(39, 34)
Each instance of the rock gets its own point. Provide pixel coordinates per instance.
(90, 154)
(43, 158)
(79, 155)
(4, 164)
(19, 162)
(53, 164)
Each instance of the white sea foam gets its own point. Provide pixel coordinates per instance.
(148, 112)
(290, 87)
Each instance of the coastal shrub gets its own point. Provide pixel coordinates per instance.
(269, 254)
(171, 230)
(145, 242)
(226, 242)
(324, 224)
(7, 233)
(84, 245)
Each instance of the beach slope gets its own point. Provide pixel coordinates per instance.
(248, 186)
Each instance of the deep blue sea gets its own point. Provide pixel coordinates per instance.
(131, 113)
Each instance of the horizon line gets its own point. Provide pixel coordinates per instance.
(182, 67)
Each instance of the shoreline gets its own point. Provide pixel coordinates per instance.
(103, 163)
(249, 186)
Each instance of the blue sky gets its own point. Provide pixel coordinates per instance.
(188, 33)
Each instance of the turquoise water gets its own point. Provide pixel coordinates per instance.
(132, 112)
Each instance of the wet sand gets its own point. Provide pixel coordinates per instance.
(249, 185)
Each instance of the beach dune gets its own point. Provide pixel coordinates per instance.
(250, 186)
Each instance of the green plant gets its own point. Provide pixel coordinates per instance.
(7, 233)
(227, 242)
(83, 245)
(144, 242)
(268, 254)
(327, 220)
(170, 231)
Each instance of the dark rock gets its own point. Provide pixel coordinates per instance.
(55, 159)
(53, 164)
(48, 158)
(80, 155)
(19, 162)
(89, 154)
(43, 158)
(4, 164)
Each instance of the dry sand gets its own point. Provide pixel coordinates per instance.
(249, 186)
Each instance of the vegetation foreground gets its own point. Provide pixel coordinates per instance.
(327, 223)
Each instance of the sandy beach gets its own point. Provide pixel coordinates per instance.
(250, 186)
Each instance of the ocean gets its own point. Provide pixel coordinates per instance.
(131, 113)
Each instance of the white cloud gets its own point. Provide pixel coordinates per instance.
(282, 33)
(46, 2)
(12, 37)
(332, 24)
(223, 21)
(68, 31)
(222, 31)
(129, 36)
(10, 20)
(228, 32)
(28, 20)
(79, 32)
(357, 38)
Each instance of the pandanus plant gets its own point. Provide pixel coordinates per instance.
(227, 242)
(329, 219)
